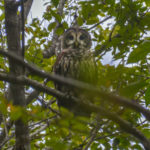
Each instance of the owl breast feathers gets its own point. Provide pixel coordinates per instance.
(75, 61)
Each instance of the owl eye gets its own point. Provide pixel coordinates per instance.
(82, 37)
(70, 37)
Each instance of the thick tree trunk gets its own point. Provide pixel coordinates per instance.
(16, 92)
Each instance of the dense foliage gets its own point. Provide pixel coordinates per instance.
(120, 33)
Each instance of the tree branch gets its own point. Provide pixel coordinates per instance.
(25, 81)
(34, 135)
(6, 140)
(92, 137)
(126, 126)
(105, 19)
(3, 136)
(1, 117)
(104, 46)
(55, 39)
(32, 96)
(80, 85)
(27, 7)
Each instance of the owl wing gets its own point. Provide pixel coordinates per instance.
(62, 67)
(58, 68)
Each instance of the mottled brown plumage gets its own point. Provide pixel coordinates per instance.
(75, 61)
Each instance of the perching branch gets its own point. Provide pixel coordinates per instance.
(80, 85)
(126, 126)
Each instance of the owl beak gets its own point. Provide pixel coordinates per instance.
(76, 44)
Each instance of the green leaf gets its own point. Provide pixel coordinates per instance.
(80, 21)
(136, 146)
(55, 2)
(147, 96)
(140, 52)
(57, 16)
(147, 2)
(51, 26)
(59, 31)
(146, 132)
(92, 20)
(3, 105)
(65, 25)
(16, 112)
(47, 16)
(132, 89)
(2, 16)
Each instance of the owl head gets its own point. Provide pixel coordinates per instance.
(76, 38)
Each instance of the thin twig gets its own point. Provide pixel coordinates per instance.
(5, 126)
(92, 138)
(6, 140)
(3, 137)
(105, 19)
(46, 105)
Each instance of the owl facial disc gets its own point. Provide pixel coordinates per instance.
(76, 38)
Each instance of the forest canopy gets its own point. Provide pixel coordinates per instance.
(119, 103)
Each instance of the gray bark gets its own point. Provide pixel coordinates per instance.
(16, 92)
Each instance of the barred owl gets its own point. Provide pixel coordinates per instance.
(75, 61)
